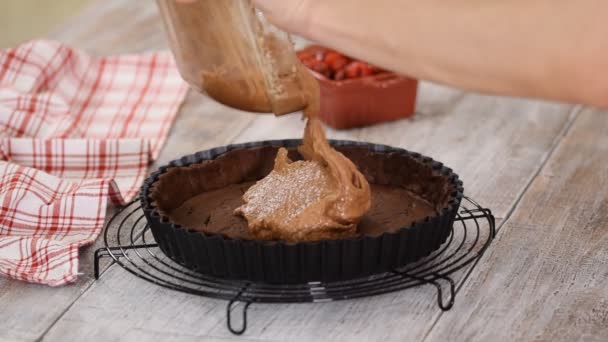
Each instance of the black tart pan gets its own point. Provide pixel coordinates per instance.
(290, 263)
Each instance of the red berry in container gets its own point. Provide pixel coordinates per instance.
(375, 69)
(354, 69)
(335, 65)
(305, 55)
(309, 62)
(320, 67)
(338, 63)
(340, 75)
(320, 55)
(331, 56)
(367, 70)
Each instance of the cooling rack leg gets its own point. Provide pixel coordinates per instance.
(99, 254)
(96, 262)
(440, 302)
(452, 288)
(229, 309)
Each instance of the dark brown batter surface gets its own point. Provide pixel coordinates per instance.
(212, 212)
(323, 197)
(203, 196)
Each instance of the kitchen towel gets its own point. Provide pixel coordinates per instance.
(75, 131)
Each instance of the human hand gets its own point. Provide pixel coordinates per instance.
(291, 15)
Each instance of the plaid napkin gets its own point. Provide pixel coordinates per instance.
(75, 130)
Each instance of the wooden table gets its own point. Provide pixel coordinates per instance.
(541, 167)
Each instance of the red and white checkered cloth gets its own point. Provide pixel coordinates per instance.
(75, 130)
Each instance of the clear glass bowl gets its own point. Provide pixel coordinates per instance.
(228, 50)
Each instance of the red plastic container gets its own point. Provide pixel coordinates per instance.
(366, 100)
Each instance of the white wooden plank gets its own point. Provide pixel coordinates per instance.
(28, 310)
(545, 278)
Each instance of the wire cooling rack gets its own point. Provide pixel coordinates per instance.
(129, 244)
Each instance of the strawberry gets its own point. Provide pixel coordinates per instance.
(354, 69)
(309, 62)
(338, 63)
(304, 55)
(320, 67)
(331, 56)
(340, 75)
(335, 65)
(320, 55)
(367, 70)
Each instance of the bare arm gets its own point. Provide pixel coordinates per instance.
(554, 49)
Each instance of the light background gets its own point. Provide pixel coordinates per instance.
(22, 20)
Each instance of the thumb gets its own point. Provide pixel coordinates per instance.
(290, 15)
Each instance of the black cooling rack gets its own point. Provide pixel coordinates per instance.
(133, 248)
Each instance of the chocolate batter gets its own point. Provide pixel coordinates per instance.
(203, 196)
(322, 197)
(212, 212)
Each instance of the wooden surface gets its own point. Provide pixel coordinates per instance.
(545, 277)
(541, 167)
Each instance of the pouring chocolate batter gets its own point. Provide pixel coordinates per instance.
(321, 197)
(228, 50)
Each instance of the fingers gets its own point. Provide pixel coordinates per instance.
(290, 15)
